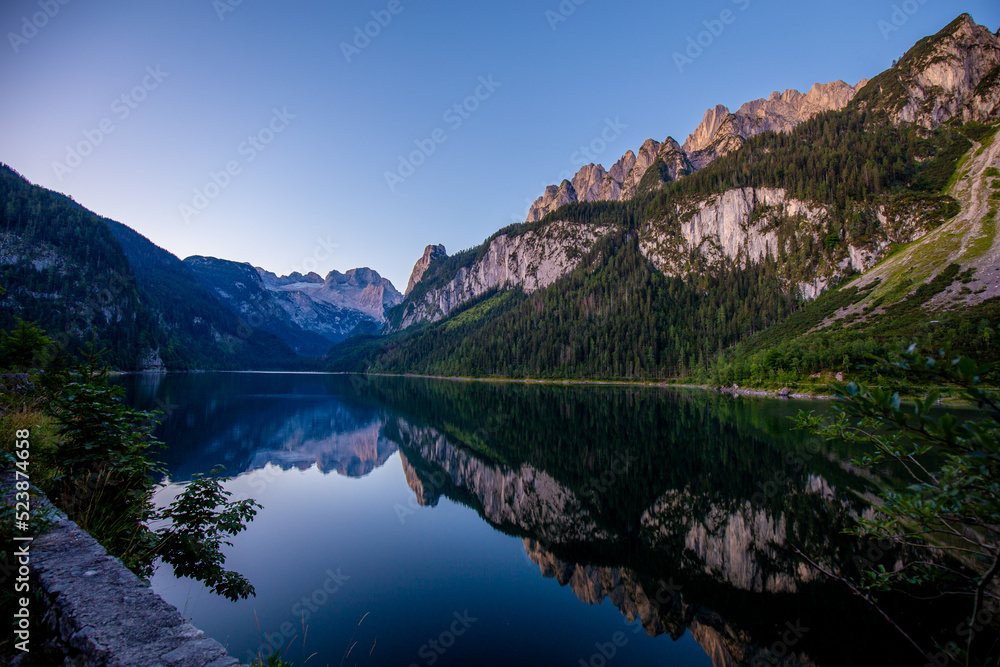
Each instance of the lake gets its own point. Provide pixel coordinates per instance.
(423, 522)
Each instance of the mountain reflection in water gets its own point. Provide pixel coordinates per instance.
(678, 508)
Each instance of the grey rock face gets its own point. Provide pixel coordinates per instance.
(588, 182)
(100, 612)
(643, 161)
(611, 190)
(742, 225)
(554, 198)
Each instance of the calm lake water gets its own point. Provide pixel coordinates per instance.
(418, 522)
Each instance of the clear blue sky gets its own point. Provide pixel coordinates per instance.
(322, 176)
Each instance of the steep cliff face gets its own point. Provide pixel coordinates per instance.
(643, 161)
(719, 133)
(953, 74)
(431, 253)
(611, 189)
(532, 260)
(749, 224)
(588, 182)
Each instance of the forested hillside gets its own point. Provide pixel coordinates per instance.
(62, 268)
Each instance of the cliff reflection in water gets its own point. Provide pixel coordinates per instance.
(678, 508)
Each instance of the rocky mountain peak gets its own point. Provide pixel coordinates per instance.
(431, 253)
(705, 132)
(362, 277)
(293, 278)
(719, 133)
(952, 74)
(588, 182)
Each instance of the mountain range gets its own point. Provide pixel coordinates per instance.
(77, 275)
(791, 237)
(865, 211)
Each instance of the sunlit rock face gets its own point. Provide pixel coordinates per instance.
(719, 133)
(431, 253)
(953, 76)
(531, 261)
(748, 225)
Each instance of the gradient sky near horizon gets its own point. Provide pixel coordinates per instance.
(316, 197)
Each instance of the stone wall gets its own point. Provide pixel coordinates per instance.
(102, 613)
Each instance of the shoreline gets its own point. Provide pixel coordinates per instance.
(785, 393)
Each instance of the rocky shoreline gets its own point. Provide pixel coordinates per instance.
(785, 392)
